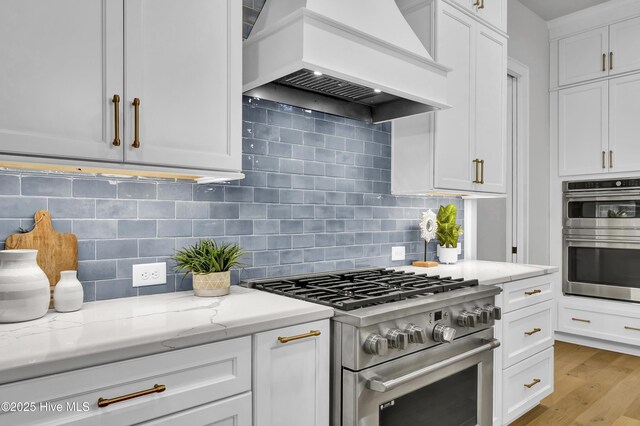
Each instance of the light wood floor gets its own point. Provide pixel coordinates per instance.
(592, 387)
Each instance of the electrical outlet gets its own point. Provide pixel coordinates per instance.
(149, 274)
(397, 253)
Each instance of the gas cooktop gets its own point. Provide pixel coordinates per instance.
(348, 290)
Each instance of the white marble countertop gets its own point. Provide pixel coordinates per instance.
(113, 330)
(485, 272)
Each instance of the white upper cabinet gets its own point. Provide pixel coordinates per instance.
(60, 65)
(624, 124)
(64, 62)
(490, 114)
(183, 64)
(461, 150)
(624, 46)
(600, 52)
(493, 12)
(583, 56)
(583, 124)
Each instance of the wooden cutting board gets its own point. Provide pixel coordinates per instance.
(56, 251)
(423, 264)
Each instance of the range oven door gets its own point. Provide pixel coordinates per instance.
(604, 266)
(450, 384)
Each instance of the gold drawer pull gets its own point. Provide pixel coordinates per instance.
(116, 119)
(631, 328)
(103, 402)
(312, 333)
(482, 164)
(604, 62)
(531, 293)
(136, 125)
(580, 320)
(532, 332)
(532, 384)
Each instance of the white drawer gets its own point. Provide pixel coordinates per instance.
(523, 293)
(526, 332)
(604, 323)
(192, 377)
(526, 384)
(234, 411)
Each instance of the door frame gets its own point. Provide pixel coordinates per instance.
(521, 73)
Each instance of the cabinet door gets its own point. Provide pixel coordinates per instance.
(491, 110)
(183, 62)
(291, 380)
(624, 46)
(624, 124)
(453, 165)
(60, 65)
(494, 12)
(234, 411)
(583, 127)
(583, 56)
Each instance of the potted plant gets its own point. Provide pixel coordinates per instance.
(210, 264)
(448, 232)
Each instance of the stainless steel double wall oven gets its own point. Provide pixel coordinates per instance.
(601, 239)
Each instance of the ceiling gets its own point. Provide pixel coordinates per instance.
(551, 9)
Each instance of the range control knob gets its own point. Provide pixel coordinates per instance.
(497, 312)
(398, 339)
(467, 319)
(416, 334)
(484, 315)
(375, 345)
(443, 333)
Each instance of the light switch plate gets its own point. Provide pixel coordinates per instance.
(397, 253)
(149, 274)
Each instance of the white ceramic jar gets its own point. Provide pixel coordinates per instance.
(24, 287)
(447, 255)
(68, 294)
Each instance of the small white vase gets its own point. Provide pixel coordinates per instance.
(24, 287)
(448, 255)
(68, 294)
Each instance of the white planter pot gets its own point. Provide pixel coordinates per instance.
(214, 284)
(68, 294)
(448, 255)
(24, 287)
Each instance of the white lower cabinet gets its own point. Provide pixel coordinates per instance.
(523, 364)
(291, 376)
(234, 411)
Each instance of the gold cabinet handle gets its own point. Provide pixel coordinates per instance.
(481, 4)
(104, 402)
(631, 328)
(610, 60)
(532, 384)
(604, 62)
(116, 118)
(476, 162)
(476, 2)
(481, 172)
(604, 165)
(532, 332)
(136, 137)
(611, 159)
(581, 320)
(312, 333)
(531, 293)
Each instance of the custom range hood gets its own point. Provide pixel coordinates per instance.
(354, 58)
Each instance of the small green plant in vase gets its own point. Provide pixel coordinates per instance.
(210, 264)
(448, 232)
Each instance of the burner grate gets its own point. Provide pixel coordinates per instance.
(357, 289)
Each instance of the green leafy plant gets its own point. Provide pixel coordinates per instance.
(448, 231)
(207, 256)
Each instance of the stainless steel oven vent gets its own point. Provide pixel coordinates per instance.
(327, 85)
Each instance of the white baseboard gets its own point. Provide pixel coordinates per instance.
(598, 343)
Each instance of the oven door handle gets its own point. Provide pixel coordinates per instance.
(378, 385)
(605, 240)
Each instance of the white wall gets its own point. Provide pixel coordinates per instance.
(529, 44)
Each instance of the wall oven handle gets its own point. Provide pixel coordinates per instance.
(378, 385)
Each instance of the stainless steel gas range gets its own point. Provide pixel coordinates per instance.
(407, 349)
